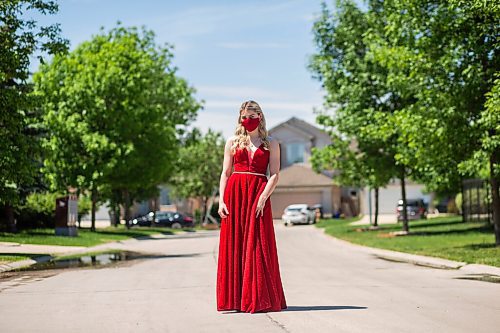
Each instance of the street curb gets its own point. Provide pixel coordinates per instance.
(420, 260)
(24, 263)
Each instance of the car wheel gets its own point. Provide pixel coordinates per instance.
(311, 221)
(176, 225)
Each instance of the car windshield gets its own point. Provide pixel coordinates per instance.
(293, 209)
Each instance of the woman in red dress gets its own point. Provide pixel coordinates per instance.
(248, 275)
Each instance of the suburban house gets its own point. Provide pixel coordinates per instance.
(298, 182)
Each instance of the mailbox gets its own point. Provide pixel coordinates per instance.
(66, 215)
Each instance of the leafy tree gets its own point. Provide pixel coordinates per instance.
(363, 105)
(113, 107)
(446, 54)
(198, 167)
(20, 39)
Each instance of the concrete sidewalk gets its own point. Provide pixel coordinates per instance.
(382, 219)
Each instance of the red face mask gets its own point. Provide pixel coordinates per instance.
(250, 123)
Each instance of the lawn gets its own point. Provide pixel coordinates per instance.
(444, 237)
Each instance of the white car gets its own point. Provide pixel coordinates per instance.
(299, 213)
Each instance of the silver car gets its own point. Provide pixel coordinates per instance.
(299, 213)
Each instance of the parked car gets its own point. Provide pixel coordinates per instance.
(142, 220)
(165, 219)
(299, 213)
(415, 208)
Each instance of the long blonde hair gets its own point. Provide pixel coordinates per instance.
(242, 137)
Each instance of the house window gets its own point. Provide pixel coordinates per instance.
(295, 152)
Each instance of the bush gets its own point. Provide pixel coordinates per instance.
(38, 211)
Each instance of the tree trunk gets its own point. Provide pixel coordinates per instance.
(495, 197)
(116, 215)
(403, 195)
(375, 223)
(205, 204)
(126, 197)
(94, 203)
(11, 221)
(153, 207)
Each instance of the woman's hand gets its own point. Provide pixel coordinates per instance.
(260, 205)
(222, 208)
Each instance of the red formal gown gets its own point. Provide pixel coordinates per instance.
(248, 275)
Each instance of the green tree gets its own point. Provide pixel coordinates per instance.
(198, 167)
(113, 108)
(446, 55)
(363, 105)
(20, 40)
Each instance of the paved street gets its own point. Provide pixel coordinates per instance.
(329, 285)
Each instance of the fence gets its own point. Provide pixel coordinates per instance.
(476, 200)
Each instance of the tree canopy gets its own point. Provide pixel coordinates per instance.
(113, 108)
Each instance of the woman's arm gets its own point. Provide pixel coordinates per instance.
(274, 169)
(227, 170)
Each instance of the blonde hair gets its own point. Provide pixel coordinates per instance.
(242, 137)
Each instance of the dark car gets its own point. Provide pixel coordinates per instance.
(415, 208)
(165, 219)
(142, 220)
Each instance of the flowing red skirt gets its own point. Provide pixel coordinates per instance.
(248, 275)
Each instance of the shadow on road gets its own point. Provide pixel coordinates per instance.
(323, 307)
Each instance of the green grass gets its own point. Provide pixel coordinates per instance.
(443, 237)
(46, 236)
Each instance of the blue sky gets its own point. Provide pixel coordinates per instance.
(230, 51)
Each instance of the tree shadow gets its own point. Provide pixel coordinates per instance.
(428, 224)
(479, 246)
(485, 228)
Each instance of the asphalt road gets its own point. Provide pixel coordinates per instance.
(329, 287)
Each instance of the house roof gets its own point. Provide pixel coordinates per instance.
(299, 174)
(304, 127)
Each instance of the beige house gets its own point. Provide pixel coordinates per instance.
(298, 183)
